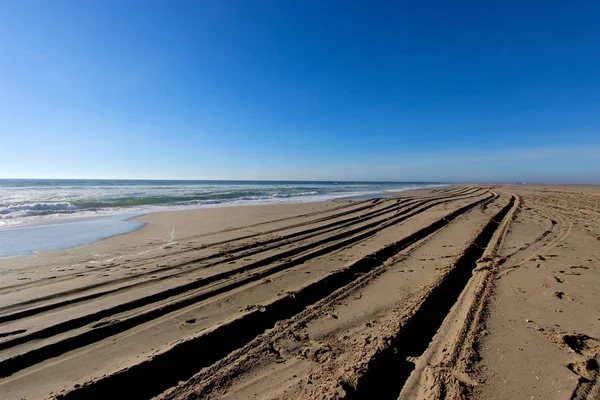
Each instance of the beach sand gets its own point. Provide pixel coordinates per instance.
(485, 292)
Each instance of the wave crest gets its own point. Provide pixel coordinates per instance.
(34, 209)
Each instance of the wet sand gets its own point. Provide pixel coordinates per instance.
(456, 292)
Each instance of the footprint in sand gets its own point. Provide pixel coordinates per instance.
(562, 295)
(570, 272)
(579, 267)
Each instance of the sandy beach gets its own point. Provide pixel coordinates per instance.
(484, 292)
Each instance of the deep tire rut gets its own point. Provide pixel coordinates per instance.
(239, 252)
(338, 241)
(389, 370)
(153, 376)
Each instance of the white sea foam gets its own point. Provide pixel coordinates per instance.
(26, 203)
(43, 215)
(27, 209)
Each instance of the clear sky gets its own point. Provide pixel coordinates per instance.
(281, 89)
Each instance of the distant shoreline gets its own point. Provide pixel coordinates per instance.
(51, 215)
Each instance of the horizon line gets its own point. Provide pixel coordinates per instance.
(225, 180)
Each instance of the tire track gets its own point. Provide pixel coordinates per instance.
(165, 369)
(216, 379)
(389, 369)
(458, 335)
(244, 251)
(251, 249)
(371, 204)
(561, 229)
(274, 242)
(361, 208)
(220, 284)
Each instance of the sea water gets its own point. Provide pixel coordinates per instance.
(55, 214)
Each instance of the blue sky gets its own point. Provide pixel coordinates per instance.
(457, 91)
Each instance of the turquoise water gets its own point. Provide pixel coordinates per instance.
(55, 214)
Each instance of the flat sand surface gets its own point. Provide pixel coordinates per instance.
(484, 292)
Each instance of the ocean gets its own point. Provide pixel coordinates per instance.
(49, 214)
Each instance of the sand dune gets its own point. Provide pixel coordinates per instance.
(456, 292)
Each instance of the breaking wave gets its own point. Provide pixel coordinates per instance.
(31, 200)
